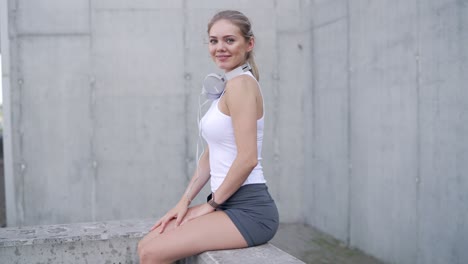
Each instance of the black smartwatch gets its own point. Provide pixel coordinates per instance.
(211, 201)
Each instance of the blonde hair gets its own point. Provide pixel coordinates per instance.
(244, 25)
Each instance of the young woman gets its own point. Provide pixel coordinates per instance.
(240, 212)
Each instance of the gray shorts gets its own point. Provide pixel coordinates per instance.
(254, 213)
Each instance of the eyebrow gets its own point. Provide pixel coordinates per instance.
(227, 36)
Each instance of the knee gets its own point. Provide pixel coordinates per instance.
(145, 254)
(149, 254)
(140, 247)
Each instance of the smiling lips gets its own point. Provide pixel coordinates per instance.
(222, 57)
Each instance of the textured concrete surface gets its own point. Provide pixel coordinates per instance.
(104, 99)
(100, 242)
(109, 242)
(60, 234)
(115, 241)
(263, 254)
(387, 146)
(315, 247)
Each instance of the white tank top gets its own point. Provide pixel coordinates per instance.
(218, 132)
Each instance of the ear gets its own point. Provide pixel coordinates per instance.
(251, 44)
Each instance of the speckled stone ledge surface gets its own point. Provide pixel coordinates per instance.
(110, 242)
(264, 254)
(99, 242)
(59, 234)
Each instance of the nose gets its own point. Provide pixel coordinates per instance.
(220, 46)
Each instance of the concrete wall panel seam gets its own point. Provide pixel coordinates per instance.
(8, 148)
(349, 123)
(418, 91)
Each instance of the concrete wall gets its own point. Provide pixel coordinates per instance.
(367, 114)
(104, 96)
(387, 145)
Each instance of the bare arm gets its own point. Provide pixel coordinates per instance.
(199, 179)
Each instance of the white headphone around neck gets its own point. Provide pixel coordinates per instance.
(214, 84)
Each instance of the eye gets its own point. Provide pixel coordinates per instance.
(230, 40)
(213, 41)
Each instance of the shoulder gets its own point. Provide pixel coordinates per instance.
(242, 85)
(241, 93)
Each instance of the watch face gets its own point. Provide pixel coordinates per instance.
(209, 197)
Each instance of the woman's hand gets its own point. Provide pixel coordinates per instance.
(178, 213)
(197, 211)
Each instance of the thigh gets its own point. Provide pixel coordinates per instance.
(213, 231)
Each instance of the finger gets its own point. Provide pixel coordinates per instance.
(158, 223)
(186, 219)
(179, 219)
(164, 224)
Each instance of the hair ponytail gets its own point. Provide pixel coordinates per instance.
(251, 61)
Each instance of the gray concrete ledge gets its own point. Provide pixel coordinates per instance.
(59, 234)
(109, 242)
(263, 254)
(99, 242)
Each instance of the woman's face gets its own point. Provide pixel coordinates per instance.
(227, 45)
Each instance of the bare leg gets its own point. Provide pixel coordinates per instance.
(213, 231)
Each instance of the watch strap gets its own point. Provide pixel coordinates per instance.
(211, 201)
